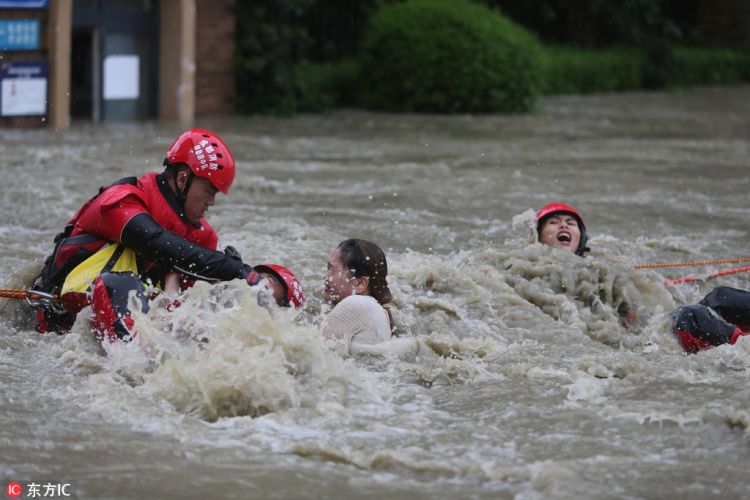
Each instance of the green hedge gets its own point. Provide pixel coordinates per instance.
(322, 86)
(568, 70)
(583, 71)
(447, 56)
(702, 66)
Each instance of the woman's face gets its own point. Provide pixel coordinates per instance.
(339, 283)
(562, 231)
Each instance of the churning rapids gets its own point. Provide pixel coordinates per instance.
(532, 388)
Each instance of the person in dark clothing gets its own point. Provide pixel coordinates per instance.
(722, 317)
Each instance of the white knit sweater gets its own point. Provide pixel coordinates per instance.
(358, 319)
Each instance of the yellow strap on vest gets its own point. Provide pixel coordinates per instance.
(81, 277)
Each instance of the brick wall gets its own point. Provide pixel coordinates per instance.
(214, 54)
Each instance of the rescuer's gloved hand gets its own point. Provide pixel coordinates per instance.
(250, 275)
(232, 252)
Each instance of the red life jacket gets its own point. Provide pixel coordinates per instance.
(106, 214)
(100, 221)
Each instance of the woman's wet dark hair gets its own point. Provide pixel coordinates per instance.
(365, 259)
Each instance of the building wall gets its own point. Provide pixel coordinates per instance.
(215, 50)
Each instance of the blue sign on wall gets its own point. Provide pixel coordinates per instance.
(23, 4)
(19, 34)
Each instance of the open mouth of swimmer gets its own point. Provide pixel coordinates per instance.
(564, 237)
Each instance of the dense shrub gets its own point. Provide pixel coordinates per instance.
(567, 70)
(454, 56)
(322, 86)
(447, 56)
(581, 71)
(289, 53)
(271, 37)
(695, 66)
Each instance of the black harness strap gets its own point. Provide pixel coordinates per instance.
(174, 201)
(113, 260)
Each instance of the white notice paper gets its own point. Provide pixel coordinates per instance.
(121, 77)
(24, 96)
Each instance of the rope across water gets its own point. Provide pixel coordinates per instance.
(694, 263)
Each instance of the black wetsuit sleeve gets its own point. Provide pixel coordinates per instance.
(732, 304)
(703, 324)
(151, 241)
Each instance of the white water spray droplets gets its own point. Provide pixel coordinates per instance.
(226, 356)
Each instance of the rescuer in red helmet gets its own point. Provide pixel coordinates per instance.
(136, 231)
(560, 225)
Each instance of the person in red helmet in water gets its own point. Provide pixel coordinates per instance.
(138, 230)
(560, 225)
(722, 317)
(286, 288)
(280, 282)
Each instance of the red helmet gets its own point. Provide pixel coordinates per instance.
(295, 295)
(556, 208)
(206, 155)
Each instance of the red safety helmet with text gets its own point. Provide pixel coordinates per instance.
(295, 295)
(206, 155)
(561, 208)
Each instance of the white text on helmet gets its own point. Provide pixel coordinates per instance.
(200, 150)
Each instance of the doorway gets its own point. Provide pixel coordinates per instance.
(114, 60)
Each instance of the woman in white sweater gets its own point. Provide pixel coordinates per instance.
(356, 287)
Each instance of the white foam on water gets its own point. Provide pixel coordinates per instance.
(527, 383)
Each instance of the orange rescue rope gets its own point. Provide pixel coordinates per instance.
(34, 298)
(30, 295)
(688, 279)
(695, 263)
(12, 293)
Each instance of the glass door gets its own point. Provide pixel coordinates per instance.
(120, 39)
